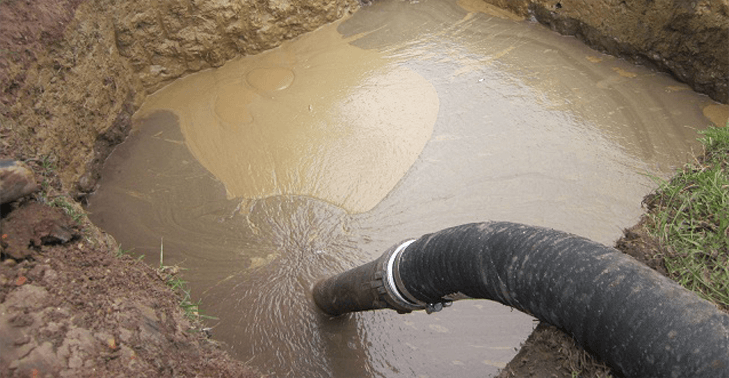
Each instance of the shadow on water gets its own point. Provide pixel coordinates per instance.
(277, 170)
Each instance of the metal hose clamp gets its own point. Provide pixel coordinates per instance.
(393, 270)
(389, 289)
(393, 289)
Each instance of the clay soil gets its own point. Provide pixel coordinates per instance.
(72, 305)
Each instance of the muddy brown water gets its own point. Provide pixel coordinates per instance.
(276, 170)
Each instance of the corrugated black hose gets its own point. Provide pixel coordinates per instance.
(637, 321)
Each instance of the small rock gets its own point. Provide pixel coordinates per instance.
(41, 361)
(22, 340)
(29, 227)
(51, 232)
(87, 182)
(16, 181)
(27, 296)
(125, 335)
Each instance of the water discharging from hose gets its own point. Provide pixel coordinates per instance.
(531, 127)
(639, 322)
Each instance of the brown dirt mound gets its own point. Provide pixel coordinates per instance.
(70, 308)
(26, 30)
(549, 352)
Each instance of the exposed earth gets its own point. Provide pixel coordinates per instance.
(72, 308)
(70, 303)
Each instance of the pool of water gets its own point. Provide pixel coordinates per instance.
(274, 171)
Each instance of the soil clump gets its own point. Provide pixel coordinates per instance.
(70, 306)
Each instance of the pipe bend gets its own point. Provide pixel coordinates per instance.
(639, 322)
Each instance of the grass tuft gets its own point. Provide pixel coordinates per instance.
(72, 209)
(120, 252)
(170, 274)
(690, 215)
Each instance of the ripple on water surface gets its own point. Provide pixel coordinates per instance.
(276, 170)
(316, 117)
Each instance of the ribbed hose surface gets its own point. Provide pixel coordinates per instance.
(633, 318)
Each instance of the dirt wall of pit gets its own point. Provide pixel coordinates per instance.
(72, 72)
(688, 39)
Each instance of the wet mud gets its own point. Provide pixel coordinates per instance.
(527, 126)
(318, 117)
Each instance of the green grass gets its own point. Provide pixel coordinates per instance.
(121, 252)
(190, 307)
(690, 215)
(47, 169)
(170, 274)
(48, 163)
(72, 209)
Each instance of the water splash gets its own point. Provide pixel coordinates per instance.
(268, 307)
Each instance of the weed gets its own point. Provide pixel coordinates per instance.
(170, 274)
(69, 207)
(123, 252)
(47, 166)
(690, 215)
(48, 163)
